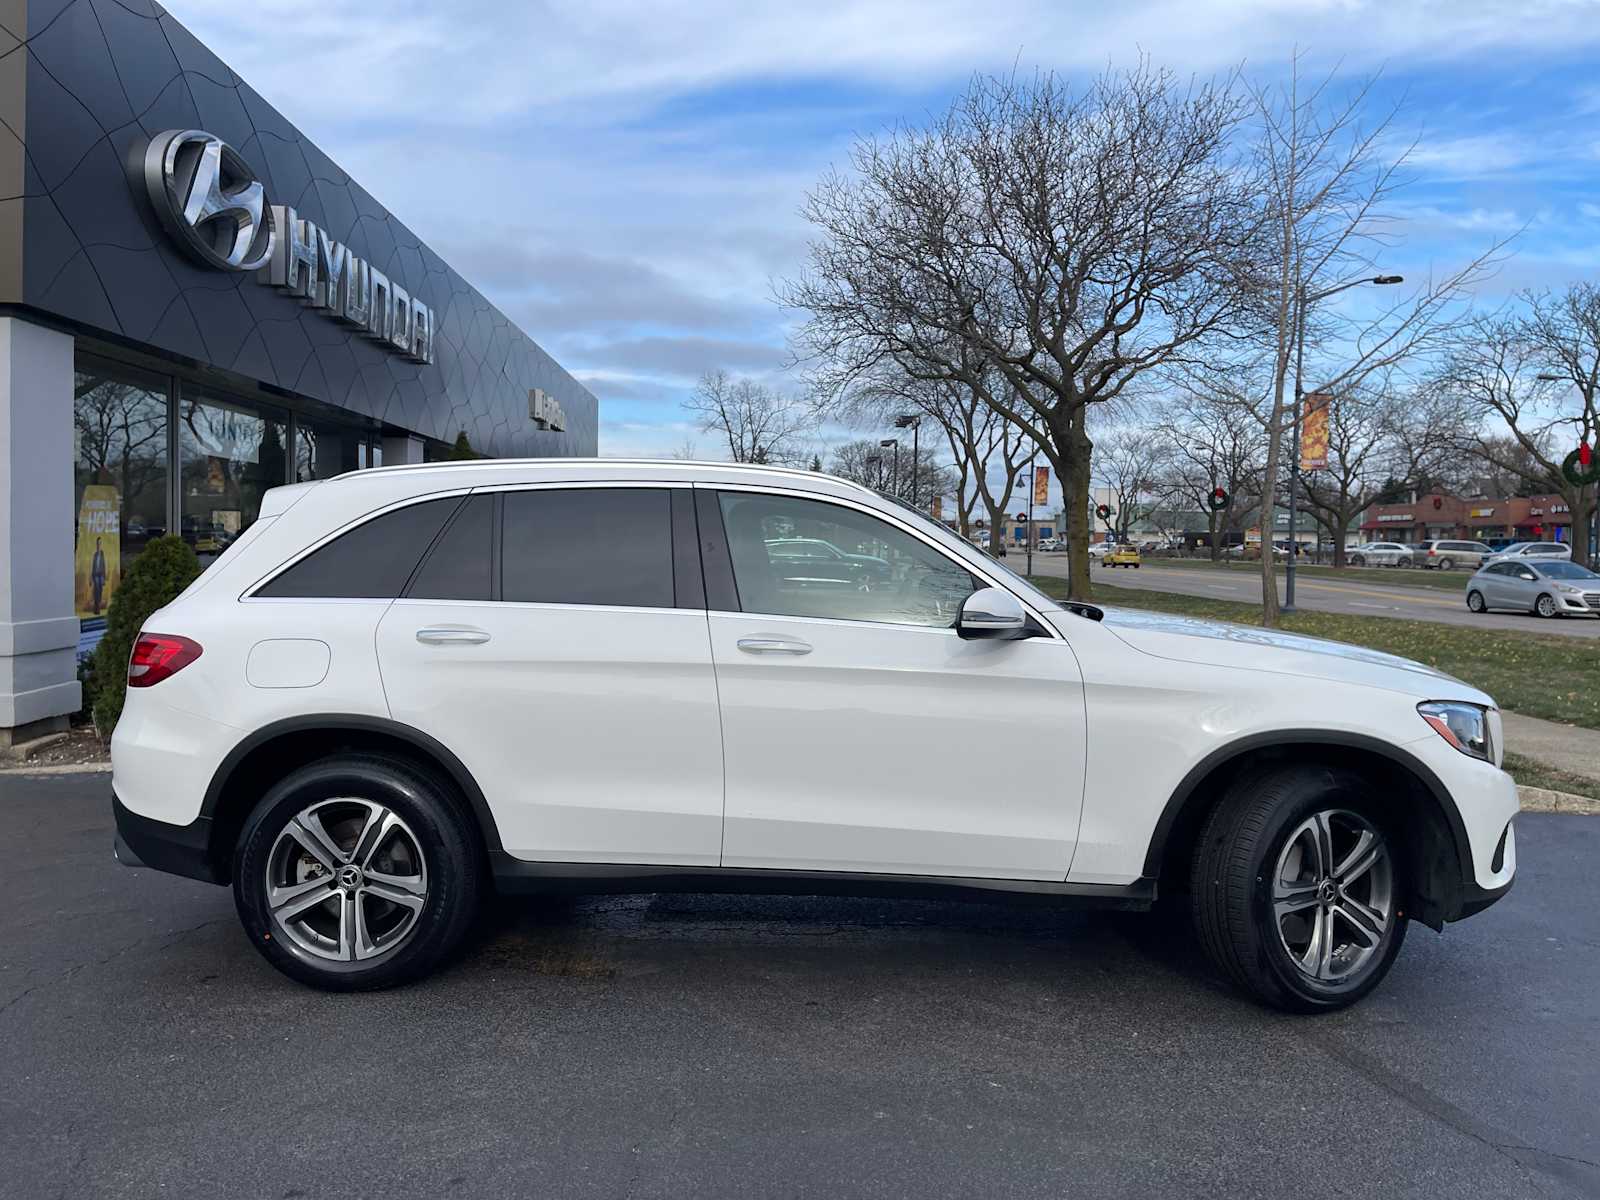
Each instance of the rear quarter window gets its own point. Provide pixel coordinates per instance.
(372, 561)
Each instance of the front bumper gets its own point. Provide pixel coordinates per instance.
(178, 849)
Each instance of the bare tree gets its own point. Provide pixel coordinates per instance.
(1530, 386)
(1215, 443)
(760, 424)
(1381, 442)
(1129, 464)
(1064, 242)
(1328, 178)
(989, 452)
(850, 460)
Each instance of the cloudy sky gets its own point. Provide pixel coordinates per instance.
(623, 177)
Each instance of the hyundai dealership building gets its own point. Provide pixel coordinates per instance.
(197, 304)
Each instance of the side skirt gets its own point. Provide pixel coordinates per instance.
(515, 876)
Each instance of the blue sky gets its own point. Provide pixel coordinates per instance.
(623, 178)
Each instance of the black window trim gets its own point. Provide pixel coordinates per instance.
(722, 595)
(249, 593)
(438, 540)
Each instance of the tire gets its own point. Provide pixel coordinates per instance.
(1447, 564)
(1475, 601)
(420, 848)
(1545, 605)
(1266, 827)
(1358, 560)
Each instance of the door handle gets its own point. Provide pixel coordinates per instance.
(452, 637)
(768, 645)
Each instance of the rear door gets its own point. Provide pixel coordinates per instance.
(555, 640)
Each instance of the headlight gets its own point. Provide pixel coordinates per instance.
(1464, 726)
(1567, 587)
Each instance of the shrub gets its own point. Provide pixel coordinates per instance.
(164, 568)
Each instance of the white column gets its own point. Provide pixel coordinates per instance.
(397, 451)
(38, 628)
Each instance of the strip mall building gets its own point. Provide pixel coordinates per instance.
(198, 304)
(1431, 517)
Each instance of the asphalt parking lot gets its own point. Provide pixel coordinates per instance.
(724, 1046)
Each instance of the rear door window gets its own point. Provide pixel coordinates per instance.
(459, 565)
(605, 546)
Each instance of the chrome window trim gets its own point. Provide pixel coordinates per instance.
(890, 519)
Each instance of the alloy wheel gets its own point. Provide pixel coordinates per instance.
(1546, 606)
(346, 880)
(1475, 601)
(1333, 895)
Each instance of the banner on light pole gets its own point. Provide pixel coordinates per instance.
(1041, 485)
(1314, 431)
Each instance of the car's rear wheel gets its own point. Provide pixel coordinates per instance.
(1545, 605)
(1447, 564)
(1298, 888)
(357, 872)
(1475, 602)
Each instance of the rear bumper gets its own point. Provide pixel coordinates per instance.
(177, 849)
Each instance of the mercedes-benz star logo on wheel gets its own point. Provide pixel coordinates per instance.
(209, 199)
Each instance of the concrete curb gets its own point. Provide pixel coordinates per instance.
(100, 768)
(1544, 800)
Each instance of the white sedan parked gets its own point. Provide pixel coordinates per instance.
(403, 688)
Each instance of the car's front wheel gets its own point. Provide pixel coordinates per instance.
(1545, 606)
(1298, 888)
(357, 872)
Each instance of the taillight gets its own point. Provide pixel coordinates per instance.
(158, 655)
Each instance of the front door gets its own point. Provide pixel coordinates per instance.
(861, 733)
(567, 664)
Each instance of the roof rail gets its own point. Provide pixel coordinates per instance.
(456, 464)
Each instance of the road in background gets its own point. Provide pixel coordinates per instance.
(714, 1046)
(1354, 597)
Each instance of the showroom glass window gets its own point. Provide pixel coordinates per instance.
(120, 474)
(230, 454)
(323, 451)
(807, 558)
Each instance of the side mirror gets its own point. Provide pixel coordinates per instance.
(992, 613)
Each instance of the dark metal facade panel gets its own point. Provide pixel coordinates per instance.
(101, 77)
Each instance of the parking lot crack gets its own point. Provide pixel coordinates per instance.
(1571, 1169)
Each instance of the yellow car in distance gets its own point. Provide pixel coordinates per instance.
(1122, 556)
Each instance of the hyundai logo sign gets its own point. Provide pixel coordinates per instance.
(215, 206)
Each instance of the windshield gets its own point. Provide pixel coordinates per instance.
(965, 552)
(1565, 570)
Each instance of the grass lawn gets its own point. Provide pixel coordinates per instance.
(1532, 774)
(1443, 581)
(1529, 673)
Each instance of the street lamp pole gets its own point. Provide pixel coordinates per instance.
(914, 421)
(894, 473)
(1303, 302)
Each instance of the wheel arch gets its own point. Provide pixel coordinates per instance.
(1440, 853)
(273, 750)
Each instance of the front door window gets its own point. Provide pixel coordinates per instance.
(808, 558)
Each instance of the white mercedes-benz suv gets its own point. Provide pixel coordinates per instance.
(403, 687)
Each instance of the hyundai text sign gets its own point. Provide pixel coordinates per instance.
(545, 411)
(213, 205)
